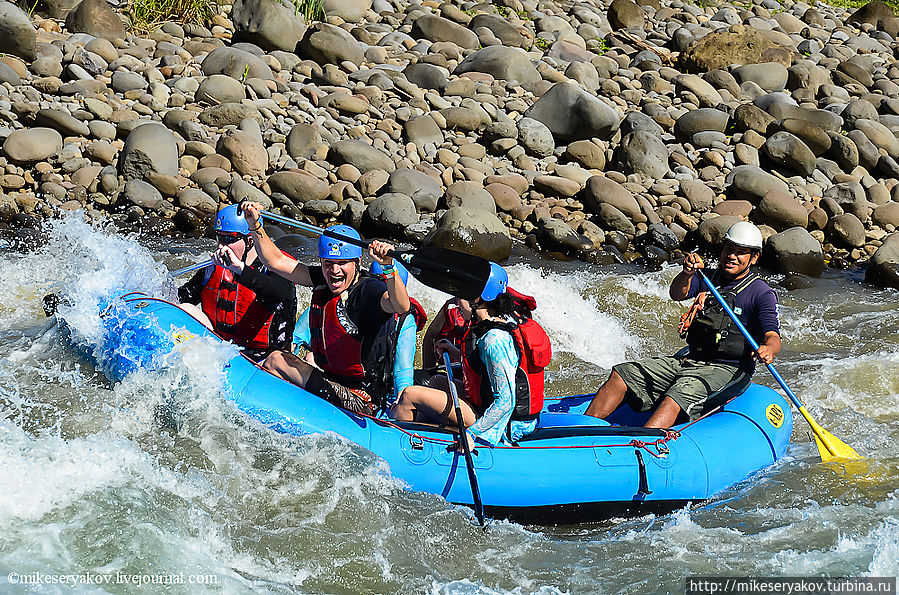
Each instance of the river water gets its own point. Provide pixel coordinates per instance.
(103, 482)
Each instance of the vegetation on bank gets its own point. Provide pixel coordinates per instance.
(147, 14)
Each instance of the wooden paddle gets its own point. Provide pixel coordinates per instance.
(829, 446)
(463, 440)
(456, 273)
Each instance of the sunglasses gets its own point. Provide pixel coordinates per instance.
(228, 238)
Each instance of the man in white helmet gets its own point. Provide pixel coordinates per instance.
(720, 363)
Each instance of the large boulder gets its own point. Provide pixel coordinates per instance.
(269, 24)
(236, 63)
(876, 13)
(700, 120)
(424, 190)
(17, 36)
(625, 14)
(349, 10)
(752, 183)
(572, 114)
(97, 18)
(795, 250)
(363, 156)
(644, 153)
(298, 187)
(787, 149)
(883, 269)
(303, 141)
(602, 190)
(389, 214)
(473, 231)
(781, 211)
(329, 44)
(469, 195)
(32, 145)
(435, 29)
(504, 63)
(847, 230)
(735, 45)
(149, 148)
(245, 152)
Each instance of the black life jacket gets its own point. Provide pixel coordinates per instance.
(712, 335)
(534, 354)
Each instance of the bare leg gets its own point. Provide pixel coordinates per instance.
(288, 366)
(608, 397)
(439, 381)
(665, 414)
(430, 404)
(197, 313)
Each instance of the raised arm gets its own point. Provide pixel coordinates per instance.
(395, 300)
(680, 285)
(269, 254)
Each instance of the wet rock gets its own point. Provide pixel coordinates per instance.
(504, 63)
(795, 251)
(424, 190)
(557, 236)
(32, 145)
(572, 114)
(269, 24)
(17, 35)
(97, 18)
(473, 231)
(149, 147)
(883, 269)
(846, 229)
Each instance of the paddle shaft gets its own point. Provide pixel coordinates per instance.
(191, 268)
(322, 232)
(463, 439)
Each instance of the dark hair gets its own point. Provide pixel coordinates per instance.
(506, 304)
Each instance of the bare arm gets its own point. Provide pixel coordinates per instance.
(680, 285)
(769, 349)
(269, 254)
(396, 299)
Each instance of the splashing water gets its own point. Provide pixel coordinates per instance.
(160, 474)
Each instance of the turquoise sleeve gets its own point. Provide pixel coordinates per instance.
(302, 336)
(404, 359)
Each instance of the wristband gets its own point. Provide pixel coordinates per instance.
(258, 227)
(388, 270)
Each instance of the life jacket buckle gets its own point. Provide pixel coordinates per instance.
(416, 442)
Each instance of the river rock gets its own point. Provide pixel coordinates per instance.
(699, 195)
(847, 229)
(229, 114)
(883, 269)
(625, 14)
(736, 45)
(535, 137)
(815, 138)
(557, 236)
(142, 194)
(329, 44)
(220, 88)
(361, 155)
(240, 190)
(149, 147)
(389, 214)
(303, 141)
(504, 63)
(644, 153)
(880, 135)
(424, 190)
(611, 218)
(426, 76)
(795, 250)
(245, 152)
(298, 187)
(506, 32)
(32, 145)
(781, 211)
(61, 121)
(269, 24)
(470, 195)
(752, 183)
(351, 11)
(700, 120)
(17, 35)
(572, 114)
(887, 214)
(587, 153)
(786, 149)
(879, 14)
(770, 76)
(601, 190)
(97, 18)
(474, 231)
(236, 63)
(711, 231)
(436, 29)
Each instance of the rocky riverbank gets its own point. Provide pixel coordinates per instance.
(606, 131)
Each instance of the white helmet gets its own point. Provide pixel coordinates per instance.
(745, 234)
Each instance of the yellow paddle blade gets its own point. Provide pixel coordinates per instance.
(829, 446)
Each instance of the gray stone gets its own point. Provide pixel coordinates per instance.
(365, 157)
(298, 187)
(390, 213)
(329, 44)
(504, 63)
(770, 76)
(635, 121)
(142, 194)
(644, 153)
(880, 135)
(557, 236)
(246, 153)
(236, 63)
(795, 250)
(196, 200)
(97, 18)
(751, 183)
(61, 121)
(426, 76)
(269, 24)
(506, 32)
(149, 148)
(711, 231)
(572, 114)
(321, 208)
(786, 149)
(625, 14)
(220, 88)
(123, 81)
(781, 211)
(351, 11)
(847, 230)
(612, 219)
(602, 190)
(473, 231)
(240, 190)
(424, 190)
(435, 28)
(883, 269)
(700, 196)
(32, 145)
(535, 137)
(17, 35)
(231, 114)
(303, 141)
(700, 120)
(422, 130)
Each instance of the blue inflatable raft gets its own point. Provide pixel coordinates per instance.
(573, 468)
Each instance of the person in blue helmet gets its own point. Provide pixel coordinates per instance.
(237, 297)
(349, 307)
(503, 356)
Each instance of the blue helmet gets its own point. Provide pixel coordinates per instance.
(377, 269)
(229, 220)
(335, 249)
(496, 283)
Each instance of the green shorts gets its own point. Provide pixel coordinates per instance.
(696, 386)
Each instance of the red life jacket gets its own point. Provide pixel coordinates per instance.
(336, 350)
(418, 313)
(234, 311)
(454, 326)
(534, 354)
